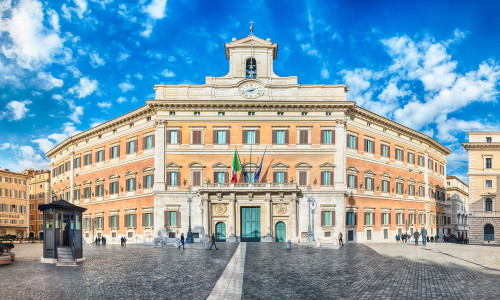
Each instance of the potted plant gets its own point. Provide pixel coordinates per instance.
(6, 250)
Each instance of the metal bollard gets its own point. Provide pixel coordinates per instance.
(289, 245)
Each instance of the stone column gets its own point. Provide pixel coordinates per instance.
(340, 156)
(206, 218)
(159, 178)
(72, 177)
(293, 215)
(427, 197)
(232, 218)
(269, 236)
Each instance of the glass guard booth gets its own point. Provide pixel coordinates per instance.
(62, 223)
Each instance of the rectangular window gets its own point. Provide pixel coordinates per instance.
(113, 221)
(77, 162)
(421, 161)
(221, 176)
(114, 152)
(149, 182)
(489, 183)
(221, 137)
(368, 218)
(399, 218)
(149, 142)
(196, 180)
(251, 137)
(327, 137)
(303, 178)
(369, 146)
(421, 191)
(327, 218)
(114, 188)
(173, 136)
(399, 154)
(87, 192)
(130, 184)
(196, 113)
(172, 219)
(327, 177)
(411, 158)
(369, 184)
(385, 219)
(67, 167)
(100, 156)
(250, 177)
(488, 139)
(280, 137)
(399, 188)
(149, 218)
(488, 162)
(131, 147)
(385, 186)
(99, 190)
(196, 137)
(221, 113)
(280, 177)
(87, 159)
(131, 221)
(421, 219)
(280, 113)
(352, 181)
(173, 178)
(350, 218)
(385, 150)
(303, 137)
(99, 222)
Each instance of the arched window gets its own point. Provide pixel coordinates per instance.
(251, 69)
(489, 232)
(488, 204)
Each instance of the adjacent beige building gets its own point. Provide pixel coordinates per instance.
(457, 206)
(39, 193)
(484, 185)
(13, 203)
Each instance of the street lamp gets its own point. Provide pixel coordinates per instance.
(189, 195)
(311, 205)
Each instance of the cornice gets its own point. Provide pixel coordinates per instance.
(238, 105)
(470, 146)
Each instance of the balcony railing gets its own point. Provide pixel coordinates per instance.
(286, 185)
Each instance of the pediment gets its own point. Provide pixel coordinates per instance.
(303, 164)
(352, 169)
(280, 165)
(114, 176)
(130, 173)
(148, 169)
(87, 182)
(412, 180)
(220, 165)
(248, 164)
(196, 164)
(173, 165)
(327, 165)
(370, 172)
(99, 179)
(251, 41)
(385, 174)
(400, 178)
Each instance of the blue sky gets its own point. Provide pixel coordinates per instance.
(66, 66)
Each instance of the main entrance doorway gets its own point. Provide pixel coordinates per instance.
(220, 232)
(280, 232)
(250, 224)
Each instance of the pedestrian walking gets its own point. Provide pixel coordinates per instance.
(341, 242)
(213, 242)
(124, 241)
(424, 236)
(182, 242)
(416, 235)
(95, 241)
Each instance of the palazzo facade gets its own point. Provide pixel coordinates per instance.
(326, 160)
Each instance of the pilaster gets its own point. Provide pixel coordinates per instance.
(340, 155)
(159, 183)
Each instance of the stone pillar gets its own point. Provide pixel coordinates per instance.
(71, 177)
(159, 178)
(269, 227)
(232, 218)
(340, 156)
(294, 216)
(206, 218)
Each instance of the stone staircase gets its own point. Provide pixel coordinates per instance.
(65, 257)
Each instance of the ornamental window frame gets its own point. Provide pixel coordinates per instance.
(402, 151)
(327, 167)
(369, 178)
(196, 167)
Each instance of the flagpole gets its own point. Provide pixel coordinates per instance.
(250, 159)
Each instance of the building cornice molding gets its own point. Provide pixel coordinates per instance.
(481, 145)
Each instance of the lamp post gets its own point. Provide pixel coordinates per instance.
(189, 195)
(311, 205)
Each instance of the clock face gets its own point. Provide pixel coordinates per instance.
(251, 90)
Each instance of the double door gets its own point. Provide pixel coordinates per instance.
(250, 224)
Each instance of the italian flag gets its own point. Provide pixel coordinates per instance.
(236, 167)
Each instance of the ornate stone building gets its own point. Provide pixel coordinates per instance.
(13, 204)
(369, 177)
(484, 185)
(39, 193)
(457, 198)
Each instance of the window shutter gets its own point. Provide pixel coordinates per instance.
(356, 218)
(228, 137)
(144, 181)
(333, 136)
(196, 178)
(125, 218)
(167, 137)
(96, 157)
(179, 136)
(215, 177)
(152, 219)
(274, 177)
(382, 218)
(128, 147)
(274, 137)
(381, 149)
(302, 178)
(244, 137)
(322, 178)
(215, 137)
(346, 218)
(366, 183)
(166, 218)
(178, 179)
(388, 150)
(389, 216)
(118, 151)
(322, 137)
(322, 218)
(110, 190)
(168, 178)
(285, 176)
(356, 181)
(356, 142)
(286, 137)
(178, 218)
(226, 177)
(333, 218)
(135, 221)
(153, 140)
(110, 153)
(143, 220)
(257, 136)
(135, 184)
(143, 142)
(373, 220)
(331, 178)
(110, 222)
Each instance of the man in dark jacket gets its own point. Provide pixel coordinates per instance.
(213, 242)
(182, 241)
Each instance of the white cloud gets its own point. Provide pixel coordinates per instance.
(122, 56)
(104, 105)
(84, 88)
(156, 9)
(49, 142)
(31, 43)
(5, 146)
(79, 10)
(172, 58)
(95, 60)
(28, 158)
(57, 97)
(139, 76)
(167, 73)
(148, 29)
(126, 86)
(76, 111)
(15, 110)
(47, 82)
(324, 73)
(121, 99)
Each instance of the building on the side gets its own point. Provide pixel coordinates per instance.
(484, 185)
(457, 201)
(369, 177)
(39, 193)
(13, 203)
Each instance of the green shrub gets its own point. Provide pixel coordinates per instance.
(8, 246)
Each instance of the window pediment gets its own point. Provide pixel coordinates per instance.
(99, 180)
(400, 178)
(370, 172)
(352, 169)
(327, 165)
(173, 165)
(114, 176)
(386, 175)
(280, 165)
(196, 164)
(87, 182)
(148, 169)
(248, 165)
(130, 174)
(220, 165)
(303, 165)
(411, 180)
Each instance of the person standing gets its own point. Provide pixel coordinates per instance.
(213, 242)
(124, 241)
(121, 241)
(424, 236)
(182, 241)
(416, 235)
(341, 242)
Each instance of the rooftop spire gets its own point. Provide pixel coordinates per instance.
(251, 27)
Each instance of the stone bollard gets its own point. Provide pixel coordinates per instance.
(289, 245)
(207, 245)
(177, 243)
(318, 243)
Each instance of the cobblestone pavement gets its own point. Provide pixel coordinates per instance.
(356, 271)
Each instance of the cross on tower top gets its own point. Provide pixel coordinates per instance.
(251, 27)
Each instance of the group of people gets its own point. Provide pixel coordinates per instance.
(406, 238)
(99, 241)
(181, 244)
(123, 241)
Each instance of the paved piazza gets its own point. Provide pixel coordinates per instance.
(266, 270)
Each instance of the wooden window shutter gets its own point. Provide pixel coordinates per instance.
(356, 218)
(135, 220)
(179, 136)
(215, 137)
(403, 218)
(152, 179)
(118, 151)
(287, 137)
(110, 190)
(153, 140)
(322, 178)
(166, 218)
(125, 218)
(322, 218)
(144, 180)
(178, 179)
(322, 137)
(110, 153)
(152, 219)
(389, 216)
(96, 156)
(228, 136)
(178, 218)
(167, 137)
(110, 222)
(347, 140)
(143, 220)
(331, 178)
(373, 220)
(333, 136)
(244, 137)
(388, 150)
(347, 218)
(274, 137)
(425, 218)
(168, 178)
(197, 178)
(128, 147)
(215, 177)
(143, 142)
(332, 213)
(355, 181)
(381, 149)
(226, 177)
(285, 176)
(303, 178)
(135, 184)
(274, 177)
(366, 183)
(257, 136)
(356, 142)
